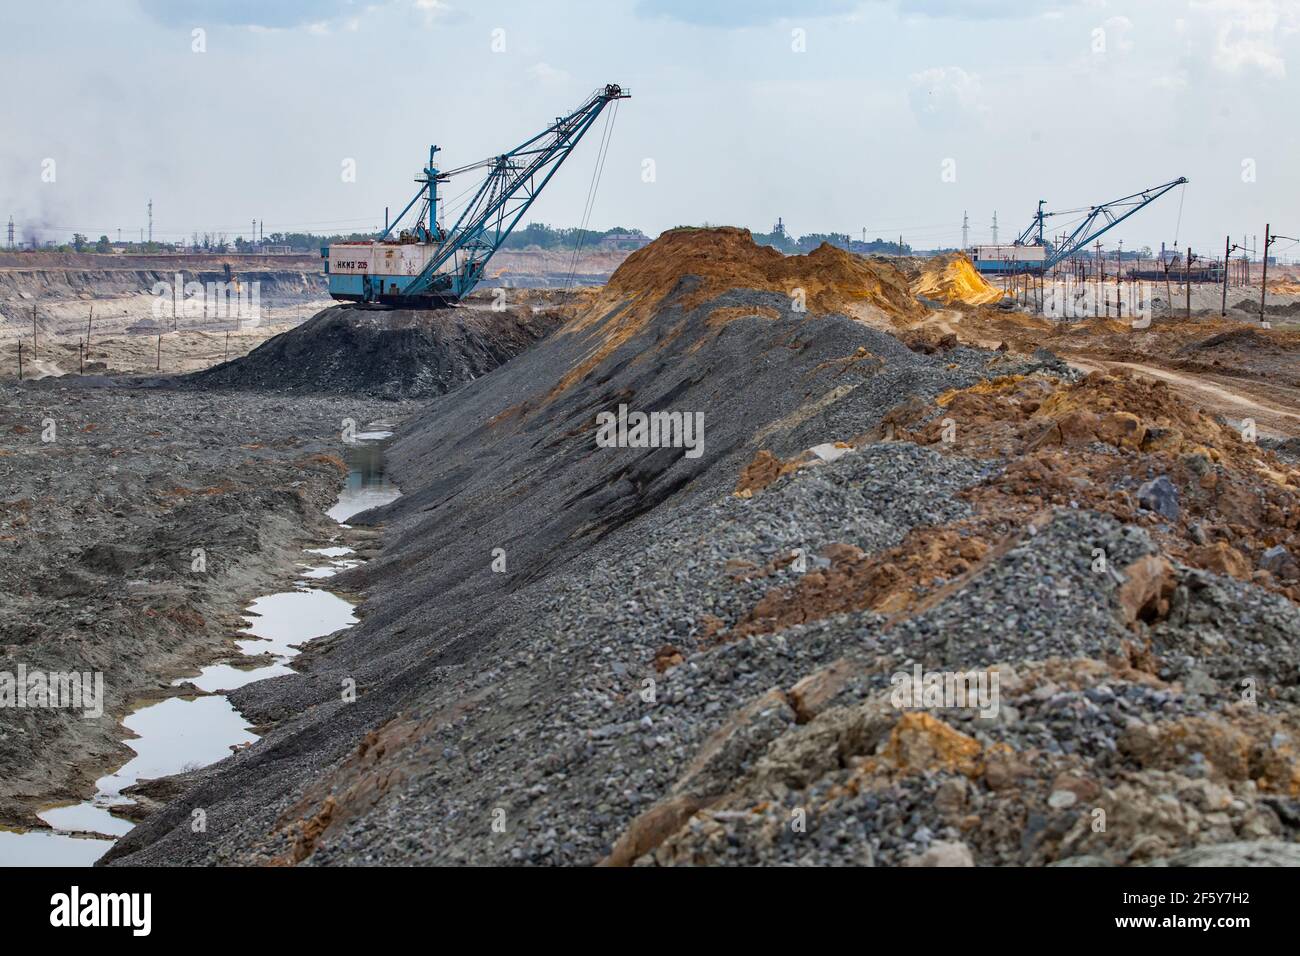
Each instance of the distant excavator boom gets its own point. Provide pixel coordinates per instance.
(1096, 221)
(428, 265)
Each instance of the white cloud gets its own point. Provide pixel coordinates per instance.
(1246, 33)
(984, 9)
(945, 89)
(742, 13)
(258, 16)
(431, 10)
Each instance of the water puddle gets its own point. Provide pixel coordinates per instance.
(367, 483)
(31, 848)
(186, 733)
(329, 552)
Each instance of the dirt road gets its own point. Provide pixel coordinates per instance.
(1231, 398)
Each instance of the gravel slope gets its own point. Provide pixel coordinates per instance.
(384, 353)
(595, 700)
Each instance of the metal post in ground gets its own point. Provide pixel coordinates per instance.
(1101, 277)
(1227, 251)
(158, 367)
(1263, 282)
(35, 350)
(1119, 269)
(89, 319)
(20, 360)
(1169, 290)
(81, 356)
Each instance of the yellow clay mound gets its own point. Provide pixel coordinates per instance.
(953, 279)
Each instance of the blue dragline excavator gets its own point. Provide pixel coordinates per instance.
(1096, 220)
(1032, 252)
(427, 265)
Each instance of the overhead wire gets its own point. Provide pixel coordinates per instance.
(1182, 194)
(606, 137)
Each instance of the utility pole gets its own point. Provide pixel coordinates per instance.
(151, 222)
(1227, 252)
(1169, 289)
(11, 232)
(1263, 282)
(995, 227)
(1187, 277)
(1096, 304)
(1119, 281)
(1270, 237)
(89, 319)
(965, 232)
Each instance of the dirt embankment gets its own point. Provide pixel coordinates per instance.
(385, 353)
(94, 261)
(1229, 366)
(664, 671)
(828, 279)
(687, 267)
(66, 301)
(134, 355)
(115, 294)
(537, 268)
(1204, 344)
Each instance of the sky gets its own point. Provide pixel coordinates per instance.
(893, 116)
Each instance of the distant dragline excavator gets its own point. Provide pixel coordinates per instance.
(1033, 253)
(427, 265)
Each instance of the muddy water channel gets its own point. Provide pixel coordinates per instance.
(185, 733)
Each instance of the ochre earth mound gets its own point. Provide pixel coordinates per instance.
(727, 258)
(691, 267)
(952, 280)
